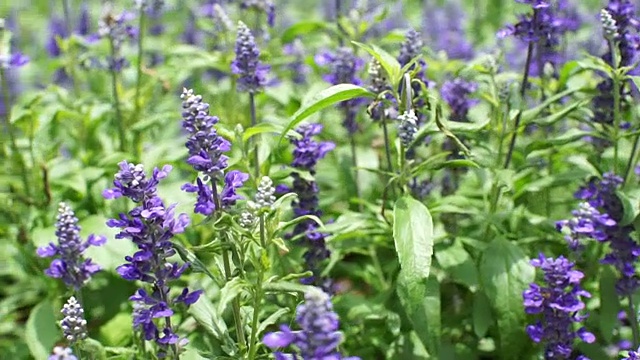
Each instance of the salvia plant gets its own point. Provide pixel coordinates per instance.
(319, 180)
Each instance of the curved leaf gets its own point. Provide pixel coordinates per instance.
(41, 332)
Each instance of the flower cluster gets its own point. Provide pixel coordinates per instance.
(264, 6)
(624, 250)
(407, 127)
(456, 94)
(150, 226)
(545, 28)
(298, 68)
(70, 264)
(117, 29)
(587, 222)
(74, 326)
(318, 337)
(343, 69)
(60, 353)
(633, 355)
(411, 47)
(306, 154)
(252, 73)
(444, 28)
(206, 150)
(559, 304)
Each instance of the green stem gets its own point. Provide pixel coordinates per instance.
(116, 98)
(523, 91)
(633, 319)
(378, 267)
(254, 122)
(226, 264)
(138, 105)
(632, 158)
(257, 301)
(12, 136)
(387, 145)
(616, 104)
(354, 158)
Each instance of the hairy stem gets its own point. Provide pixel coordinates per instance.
(116, 98)
(257, 300)
(137, 104)
(616, 104)
(227, 270)
(12, 135)
(633, 319)
(254, 122)
(523, 91)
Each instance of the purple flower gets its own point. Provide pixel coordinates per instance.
(319, 335)
(297, 66)
(150, 226)
(599, 219)
(57, 30)
(74, 326)
(633, 355)
(456, 94)
(60, 353)
(444, 27)
(264, 6)
(206, 150)
(343, 67)
(306, 154)
(411, 47)
(69, 263)
(558, 305)
(14, 60)
(252, 73)
(117, 29)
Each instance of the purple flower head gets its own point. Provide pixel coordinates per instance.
(343, 68)
(557, 304)
(319, 335)
(444, 28)
(264, 6)
(205, 146)
(307, 151)
(57, 30)
(117, 29)
(633, 355)
(306, 154)
(69, 263)
(14, 60)
(411, 47)
(60, 353)
(599, 219)
(456, 94)
(150, 226)
(74, 326)
(299, 70)
(84, 21)
(233, 181)
(252, 73)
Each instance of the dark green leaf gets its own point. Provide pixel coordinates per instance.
(609, 303)
(302, 28)
(482, 314)
(386, 60)
(421, 301)
(41, 331)
(458, 264)
(505, 273)
(413, 237)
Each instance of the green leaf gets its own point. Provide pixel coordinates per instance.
(459, 265)
(570, 136)
(261, 129)
(609, 303)
(557, 116)
(413, 237)
(630, 208)
(482, 315)
(386, 60)
(530, 114)
(272, 319)
(286, 287)
(41, 331)
(595, 63)
(419, 294)
(421, 301)
(117, 331)
(505, 273)
(302, 28)
(323, 99)
(205, 315)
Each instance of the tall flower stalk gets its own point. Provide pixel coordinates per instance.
(252, 75)
(206, 155)
(151, 225)
(558, 303)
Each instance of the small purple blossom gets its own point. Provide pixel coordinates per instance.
(150, 226)
(69, 263)
(252, 73)
(57, 30)
(60, 353)
(117, 30)
(456, 93)
(633, 355)
(306, 154)
(74, 326)
(319, 335)
(343, 67)
(206, 155)
(558, 304)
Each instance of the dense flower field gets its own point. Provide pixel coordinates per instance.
(319, 180)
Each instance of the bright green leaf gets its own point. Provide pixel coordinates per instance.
(42, 331)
